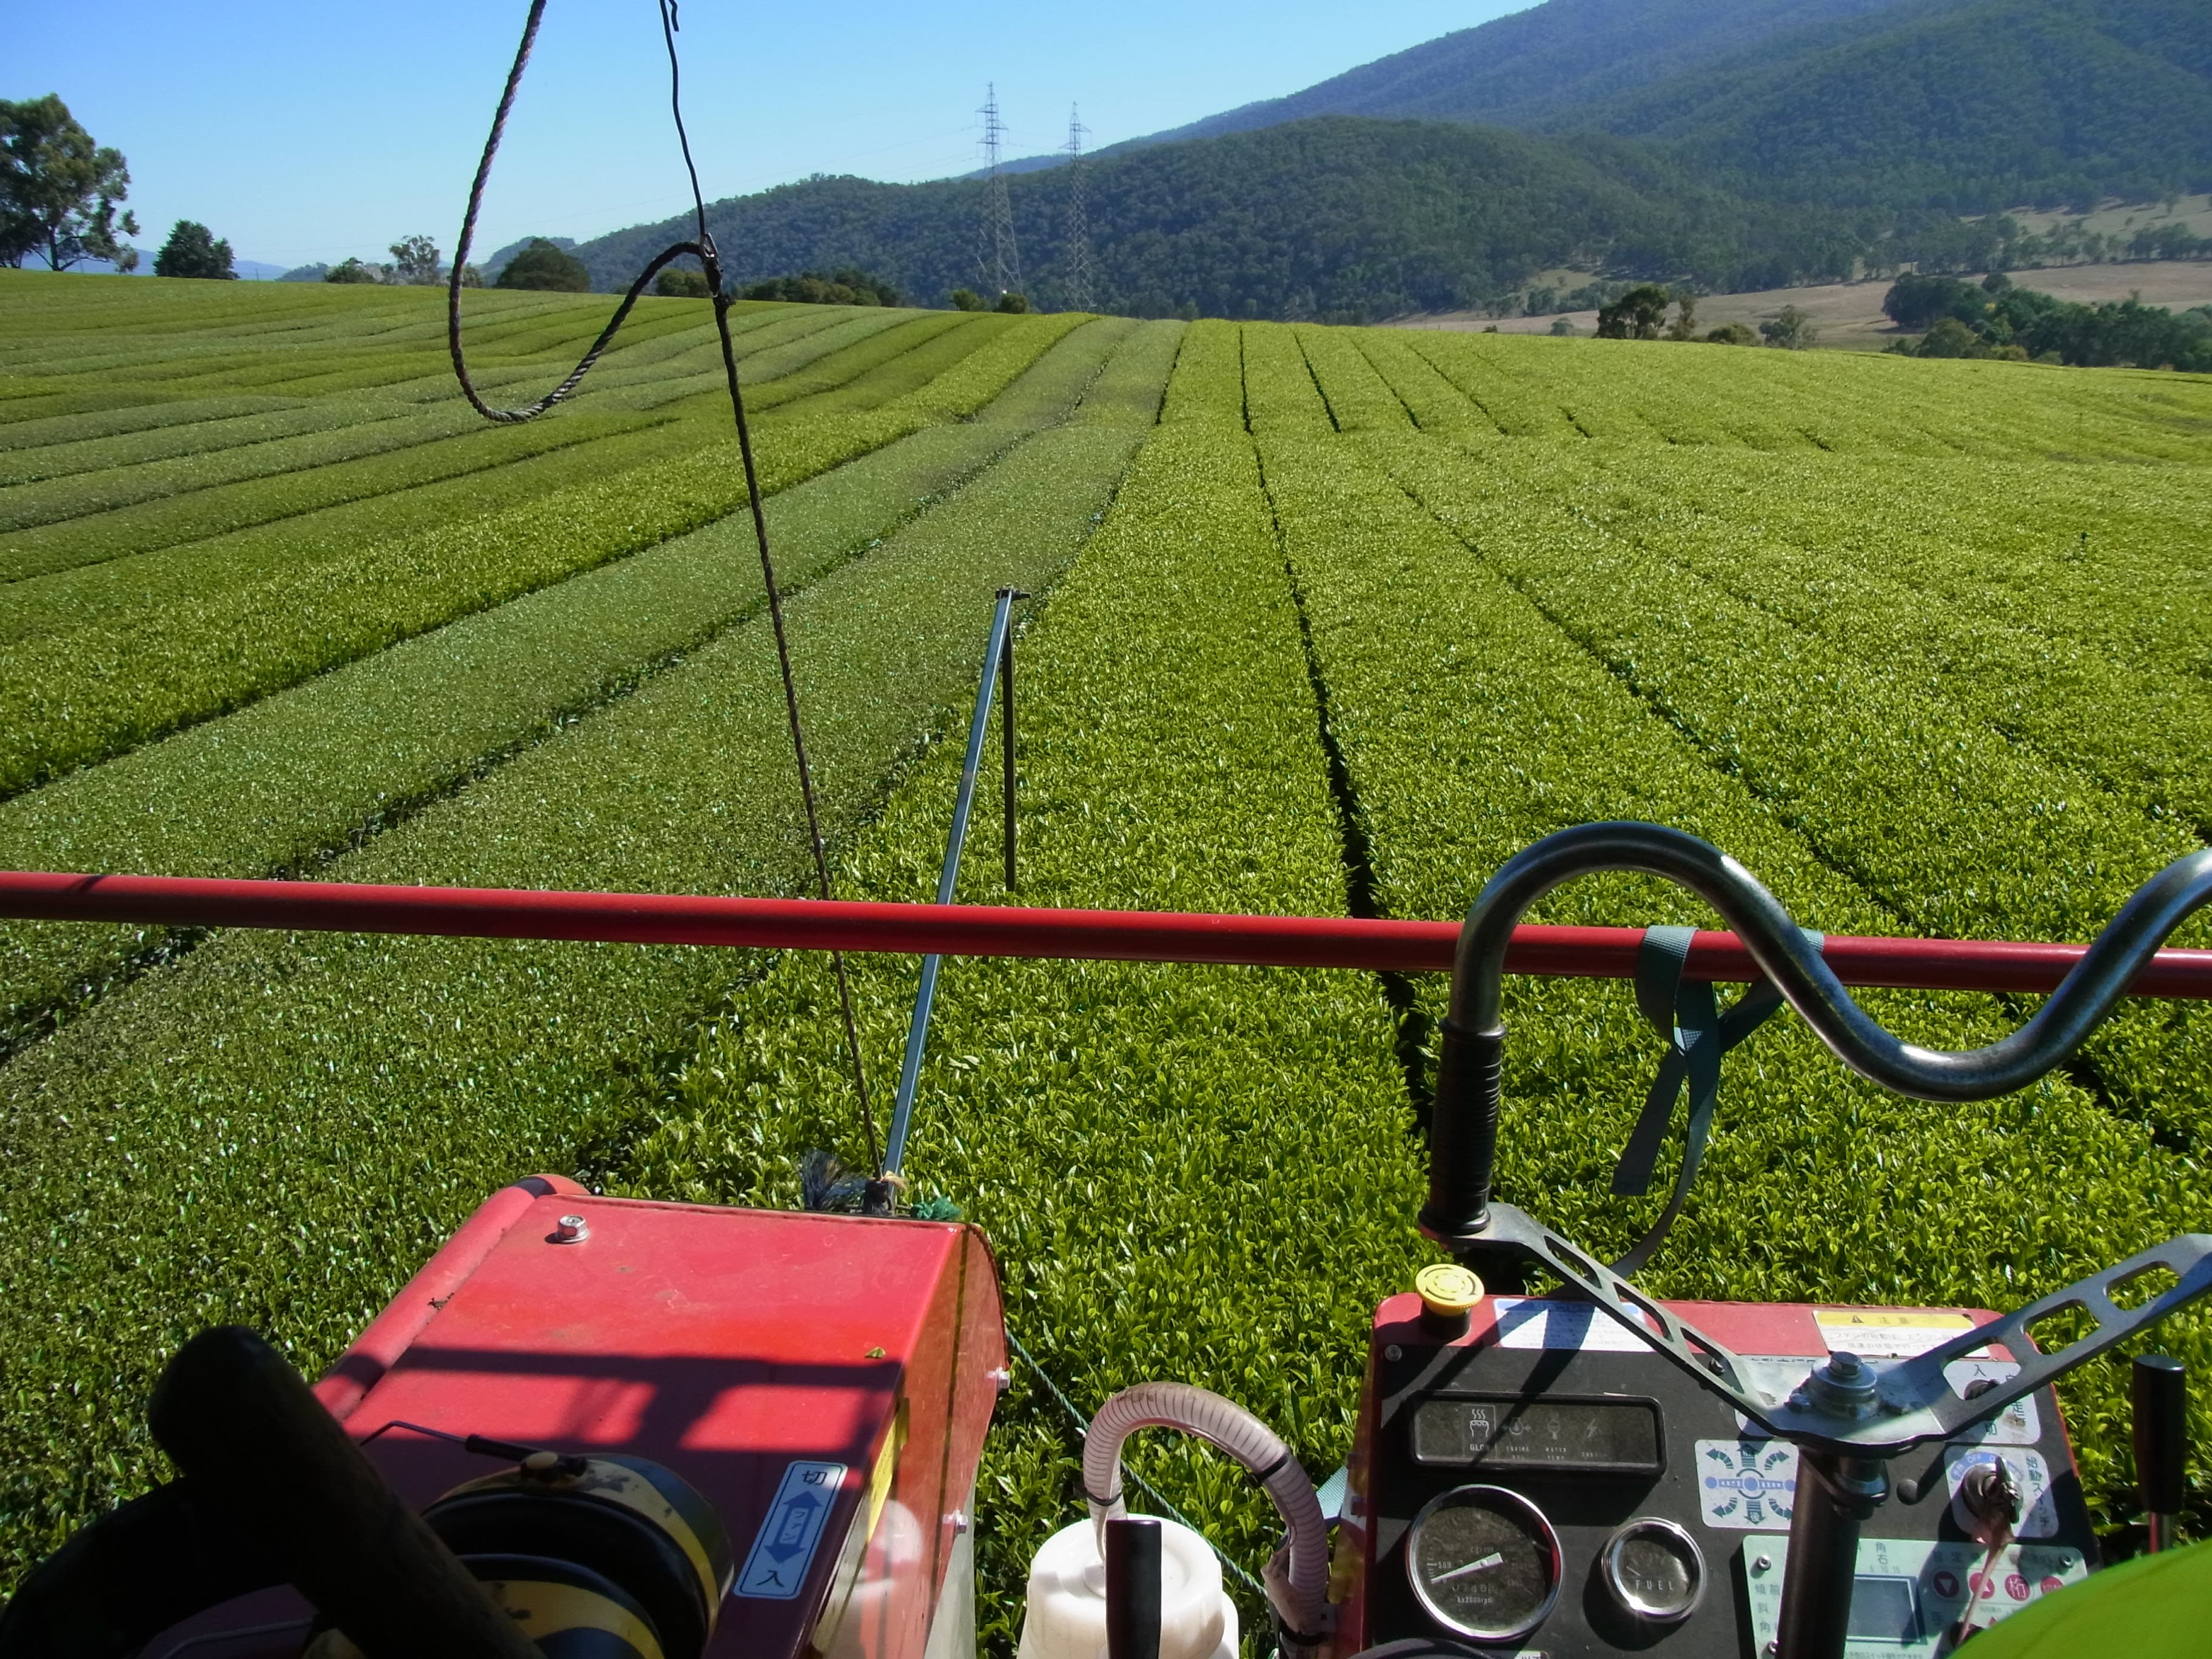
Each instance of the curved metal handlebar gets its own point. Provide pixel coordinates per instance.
(1470, 1062)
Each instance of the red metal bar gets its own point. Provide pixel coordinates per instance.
(996, 931)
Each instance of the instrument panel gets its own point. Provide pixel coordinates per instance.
(1547, 1484)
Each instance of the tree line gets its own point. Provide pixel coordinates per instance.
(1997, 319)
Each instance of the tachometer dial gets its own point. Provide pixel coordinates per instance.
(1654, 1570)
(1485, 1562)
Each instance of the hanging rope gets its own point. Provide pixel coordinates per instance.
(704, 250)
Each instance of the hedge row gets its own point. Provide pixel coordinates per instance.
(345, 435)
(1968, 579)
(975, 380)
(80, 694)
(290, 780)
(211, 425)
(1358, 398)
(1193, 1173)
(1209, 377)
(1522, 673)
(279, 1129)
(1131, 388)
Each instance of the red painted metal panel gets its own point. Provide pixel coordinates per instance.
(361, 1366)
(726, 1344)
(986, 930)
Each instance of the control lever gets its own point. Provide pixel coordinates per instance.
(1133, 1587)
(2161, 1397)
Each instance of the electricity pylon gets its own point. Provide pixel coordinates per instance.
(998, 262)
(1079, 296)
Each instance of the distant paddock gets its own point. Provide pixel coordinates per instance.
(1849, 314)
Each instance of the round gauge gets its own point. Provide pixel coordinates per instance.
(1654, 1570)
(1485, 1562)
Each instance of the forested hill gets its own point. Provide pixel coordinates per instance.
(1829, 131)
(1549, 62)
(1337, 219)
(1964, 105)
(1969, 109)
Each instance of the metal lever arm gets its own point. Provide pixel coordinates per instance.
(1918, 1404)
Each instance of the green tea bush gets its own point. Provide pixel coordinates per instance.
(1209, 377)
(1434, 403)
(1280, 393)
(32, 450)
(368, 434)
(292, 779)
(279, 1128)
(1358, 399)
(196, 514)
(87, 692)
(981, 376)
(1129, 390)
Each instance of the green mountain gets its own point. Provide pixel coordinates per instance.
(1967, 109)
(1338, 219)
(1537, 66)
(1733, 143)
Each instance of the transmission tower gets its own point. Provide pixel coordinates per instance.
(998, 262)
(1078, 218)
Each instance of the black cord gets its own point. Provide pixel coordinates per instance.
(709, 256)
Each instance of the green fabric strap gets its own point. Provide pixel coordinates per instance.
(1687, 1014)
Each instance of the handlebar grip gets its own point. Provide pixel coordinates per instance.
(1133, 1587)
(2160, 1394)
(242, 1424)
(1463, 1133)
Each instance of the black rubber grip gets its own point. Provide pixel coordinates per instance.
(260, 1450)
(1463, 1130)
(2161, 1391)
(1133, 1587)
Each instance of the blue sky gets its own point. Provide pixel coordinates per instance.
(309, 131)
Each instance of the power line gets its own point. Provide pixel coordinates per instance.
(709, 256)
(1078, 219)
(998, 262)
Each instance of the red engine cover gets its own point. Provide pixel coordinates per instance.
(732, 1345)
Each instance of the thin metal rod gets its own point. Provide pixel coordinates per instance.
(925, 996)
(1006, 738)
(1835, 1495)
(1366, 942)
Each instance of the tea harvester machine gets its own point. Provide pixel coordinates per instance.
(598, 1427)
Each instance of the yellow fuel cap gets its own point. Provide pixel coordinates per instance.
(1447, 1290)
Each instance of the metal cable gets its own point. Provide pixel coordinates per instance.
(709, 256)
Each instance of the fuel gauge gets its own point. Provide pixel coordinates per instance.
(1654, 1570)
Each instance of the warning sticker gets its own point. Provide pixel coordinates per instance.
(1532, 1323)
(1876, 1333)
(1746, 1484)
(2018, 1424)
(777, 1569)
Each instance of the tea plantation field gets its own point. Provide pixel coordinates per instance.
(1325, 619)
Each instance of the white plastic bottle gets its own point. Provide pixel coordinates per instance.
(1066, 1616)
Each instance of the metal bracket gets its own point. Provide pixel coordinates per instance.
(1917, 1403)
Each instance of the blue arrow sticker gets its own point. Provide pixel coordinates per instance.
(776, 1570)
